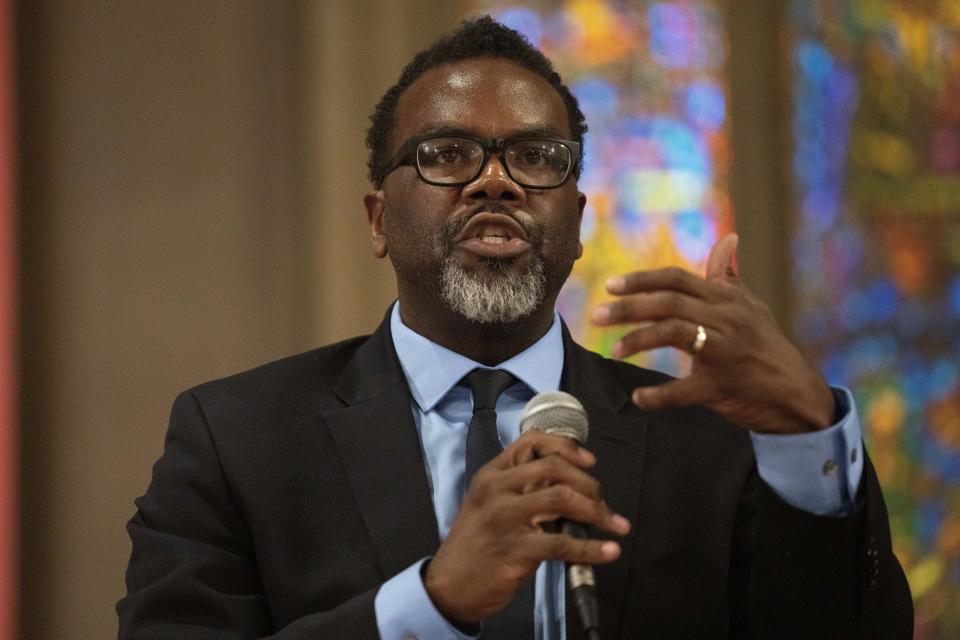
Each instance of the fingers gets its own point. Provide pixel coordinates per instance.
(721, 265)
(551, 486)
(677, 393)
(669, 278)
(722, 256)
(536, 444)
(680, 334)
(498, 537)
(551, 470)
(559, 546)
(644, 307)
(561, 501)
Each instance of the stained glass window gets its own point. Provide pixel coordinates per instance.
(876, 246)
(650, 77)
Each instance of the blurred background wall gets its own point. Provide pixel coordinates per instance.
(191, 177)
(191, 182)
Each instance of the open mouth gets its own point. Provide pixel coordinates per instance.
(493, 235)
(493, 228)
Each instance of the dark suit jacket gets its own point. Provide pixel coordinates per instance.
(286, 495)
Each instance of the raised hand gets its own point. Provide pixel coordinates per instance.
(500, 537)
(743, 366)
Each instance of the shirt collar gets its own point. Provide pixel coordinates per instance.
(432, 370)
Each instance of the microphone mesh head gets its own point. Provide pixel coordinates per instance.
(555, 412)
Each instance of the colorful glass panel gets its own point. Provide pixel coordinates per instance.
(876, 246)
(650, 78)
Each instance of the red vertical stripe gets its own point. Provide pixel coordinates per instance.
(8, 310)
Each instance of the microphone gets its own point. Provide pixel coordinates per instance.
(559, 413)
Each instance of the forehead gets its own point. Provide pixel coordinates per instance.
(489, 97)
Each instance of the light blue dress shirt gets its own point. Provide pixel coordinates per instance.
(818, 472)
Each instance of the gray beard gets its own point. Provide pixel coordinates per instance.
(492, 296)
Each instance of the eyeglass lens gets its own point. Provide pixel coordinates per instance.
(536, 163)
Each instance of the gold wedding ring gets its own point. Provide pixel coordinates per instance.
(700, 340)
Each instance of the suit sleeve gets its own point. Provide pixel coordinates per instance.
(816, 576)
(192, 571)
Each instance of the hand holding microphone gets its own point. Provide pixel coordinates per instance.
(497, 542)
(559, 413)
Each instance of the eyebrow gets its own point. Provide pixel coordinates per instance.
(447, 129)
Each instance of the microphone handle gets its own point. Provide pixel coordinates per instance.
(583, 585)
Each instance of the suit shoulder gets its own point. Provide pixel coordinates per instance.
(290, 377)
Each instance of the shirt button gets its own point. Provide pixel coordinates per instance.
(829, 467)
(853, 455)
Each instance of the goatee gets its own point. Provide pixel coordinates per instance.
(493, 295)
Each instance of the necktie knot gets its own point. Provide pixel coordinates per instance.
(486, 385)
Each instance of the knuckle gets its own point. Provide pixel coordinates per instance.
(676, 302)
(600, 511)
(673, 273)
(662, 393)
(594, 486)
(546, 464)
(713, 392)
(502, 509)
(559, 495)
(669, 331)
(618, 309)
(481, 478)
(481, 484)
(548, 467)
(740, 317)
(560, 547)
(555, 465)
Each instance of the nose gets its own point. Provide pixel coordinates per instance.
(493, 183)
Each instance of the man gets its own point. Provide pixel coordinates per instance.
(340, 493)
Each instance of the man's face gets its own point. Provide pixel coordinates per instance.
(491, 250)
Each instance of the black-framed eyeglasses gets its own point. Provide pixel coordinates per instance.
(535, 162)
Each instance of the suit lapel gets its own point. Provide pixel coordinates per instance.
(617, 437)
(376, 437)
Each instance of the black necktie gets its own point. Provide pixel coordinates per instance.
(483, 444)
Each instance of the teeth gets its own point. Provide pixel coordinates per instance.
(493, 235)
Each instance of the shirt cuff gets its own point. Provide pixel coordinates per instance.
(405, 611)
(817, 472)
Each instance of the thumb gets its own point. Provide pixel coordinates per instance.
(721, 261)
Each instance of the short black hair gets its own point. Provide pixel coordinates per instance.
(481, 37)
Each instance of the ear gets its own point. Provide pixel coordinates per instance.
(376, 208)
(581, 204)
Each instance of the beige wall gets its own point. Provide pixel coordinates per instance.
(192, 175)
(192, 179)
